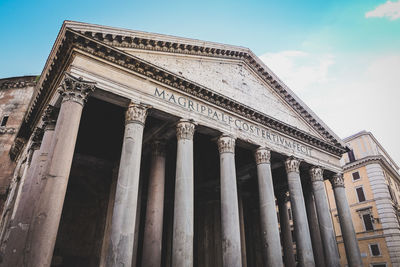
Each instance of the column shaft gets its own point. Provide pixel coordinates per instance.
(346, 224)
(303, 241)
(324, 218)
(123, 225)
(48, 213)
(314, 226)
(183, 229)
(231, 248)
(153, 230)
(286, 232)
(272, 252)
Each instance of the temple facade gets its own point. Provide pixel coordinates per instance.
(141, 149)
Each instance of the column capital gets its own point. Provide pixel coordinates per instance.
(75, 89)
(337, 180)
(226, 144)
(316, 174)
(292, 164)
(185, 129)
(136, 113)
(49, 118)
(262, 155)
(158, 148)
(37, 138)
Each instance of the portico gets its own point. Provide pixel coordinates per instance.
(189, 164)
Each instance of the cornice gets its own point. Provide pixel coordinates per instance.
(17, 82)
(91, 43)
(371, 159)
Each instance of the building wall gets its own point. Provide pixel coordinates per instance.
(380, 181)
(15, 95)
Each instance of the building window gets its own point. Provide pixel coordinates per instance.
(290, 213)
(350, 153)
(368, 222)
(360, 194)
(356, 176)
(378, 265)
(374, 249)
(4, 121)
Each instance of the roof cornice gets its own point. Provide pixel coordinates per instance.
(86, 42)
(17, 82)
(372, 159)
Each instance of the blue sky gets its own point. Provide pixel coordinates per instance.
(328, 52)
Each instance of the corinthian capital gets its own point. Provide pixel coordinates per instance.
(185, 129)
(50, 118)
(262, 155)
(316, 174)
(226, 144)
(37, 138)
(136, 113)
(75, 89)
(337, 180)
(292, 164)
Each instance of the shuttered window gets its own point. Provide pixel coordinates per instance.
(375, 250)
(360, 194)
(368, 222)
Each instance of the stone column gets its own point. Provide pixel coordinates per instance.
(153, 229)
(231, 248)
(272, 251)
(123, 224)
(314, 226)
(19, 223)
(346, 224)
(303, 241)
(324, 218)
(286, 232)
(74, 92)
(183, 229)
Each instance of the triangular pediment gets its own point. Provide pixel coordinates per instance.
(232, 79)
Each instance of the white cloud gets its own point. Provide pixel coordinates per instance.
(388, 9)
(349, 93)
(299, 69)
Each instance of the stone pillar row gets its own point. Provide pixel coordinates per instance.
(33, 234)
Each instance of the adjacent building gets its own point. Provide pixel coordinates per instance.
(372, 183)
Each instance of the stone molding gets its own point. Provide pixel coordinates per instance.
(317, 174)
(292, 164)
(185, 129)
(262, 155)
(7, 130)
(75, 89)
(337, 180)
(16, 148)
(158, 148)
(136, 113)
(49, 118)
(17, 82)
(226, 144)
(73, 39)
